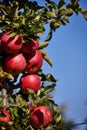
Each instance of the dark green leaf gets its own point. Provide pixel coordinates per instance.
(13, 12)
(61, 3)
(2, 24)
(11, 100)
(16, 113)
(62, 21)
(49, 88)
(51, 78)
(49, 36)
(51, 4)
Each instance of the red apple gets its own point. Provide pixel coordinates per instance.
(15, 63)
(11, 44)
(31, 81)
(7, 116)
(30, 47)
(34, 63)
(40, 116)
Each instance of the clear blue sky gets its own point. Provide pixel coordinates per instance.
(68, 51)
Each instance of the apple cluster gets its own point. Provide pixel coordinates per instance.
(24, 57)
(21, 57)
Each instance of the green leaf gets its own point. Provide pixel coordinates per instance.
(37, 18)
(6, 75)
(16, 24)
(11, 100)
(49, 36)
(64, 11)
(12, 113)
(38, 93)
(48, 60)
(12, 34)
(56, 24)
(66, 19)
(84, 13)
(44, 100)
(30, 91)
(58, 118)
(3, 24)
(16, 113)
(51, 78)
(49, 88)
(69, 12)
(13, 12)
(62, 21)
(43, 52)
(51, 4)
(61, 3)
(22, 102)
(50, 14)
(43, 45)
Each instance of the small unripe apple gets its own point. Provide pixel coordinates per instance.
(31, 81)
(30, 47)
(11, 44)
(40, 116)
(34, 63)
(7, 116)
(15, 63)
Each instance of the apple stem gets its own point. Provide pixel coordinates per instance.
(31, 127)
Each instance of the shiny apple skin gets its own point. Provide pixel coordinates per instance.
(34, 63)
(40, 116)
(31, 81)
(15, 64)
(11, 44)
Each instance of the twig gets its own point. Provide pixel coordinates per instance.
(72, 125)
(31, 127)
(4, 94)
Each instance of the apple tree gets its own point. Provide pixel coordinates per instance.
(26, 103)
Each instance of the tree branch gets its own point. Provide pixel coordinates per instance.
(4, 94)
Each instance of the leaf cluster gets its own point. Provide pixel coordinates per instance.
(20, 105)
(27, 18)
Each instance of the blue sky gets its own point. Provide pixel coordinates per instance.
(68, 51)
